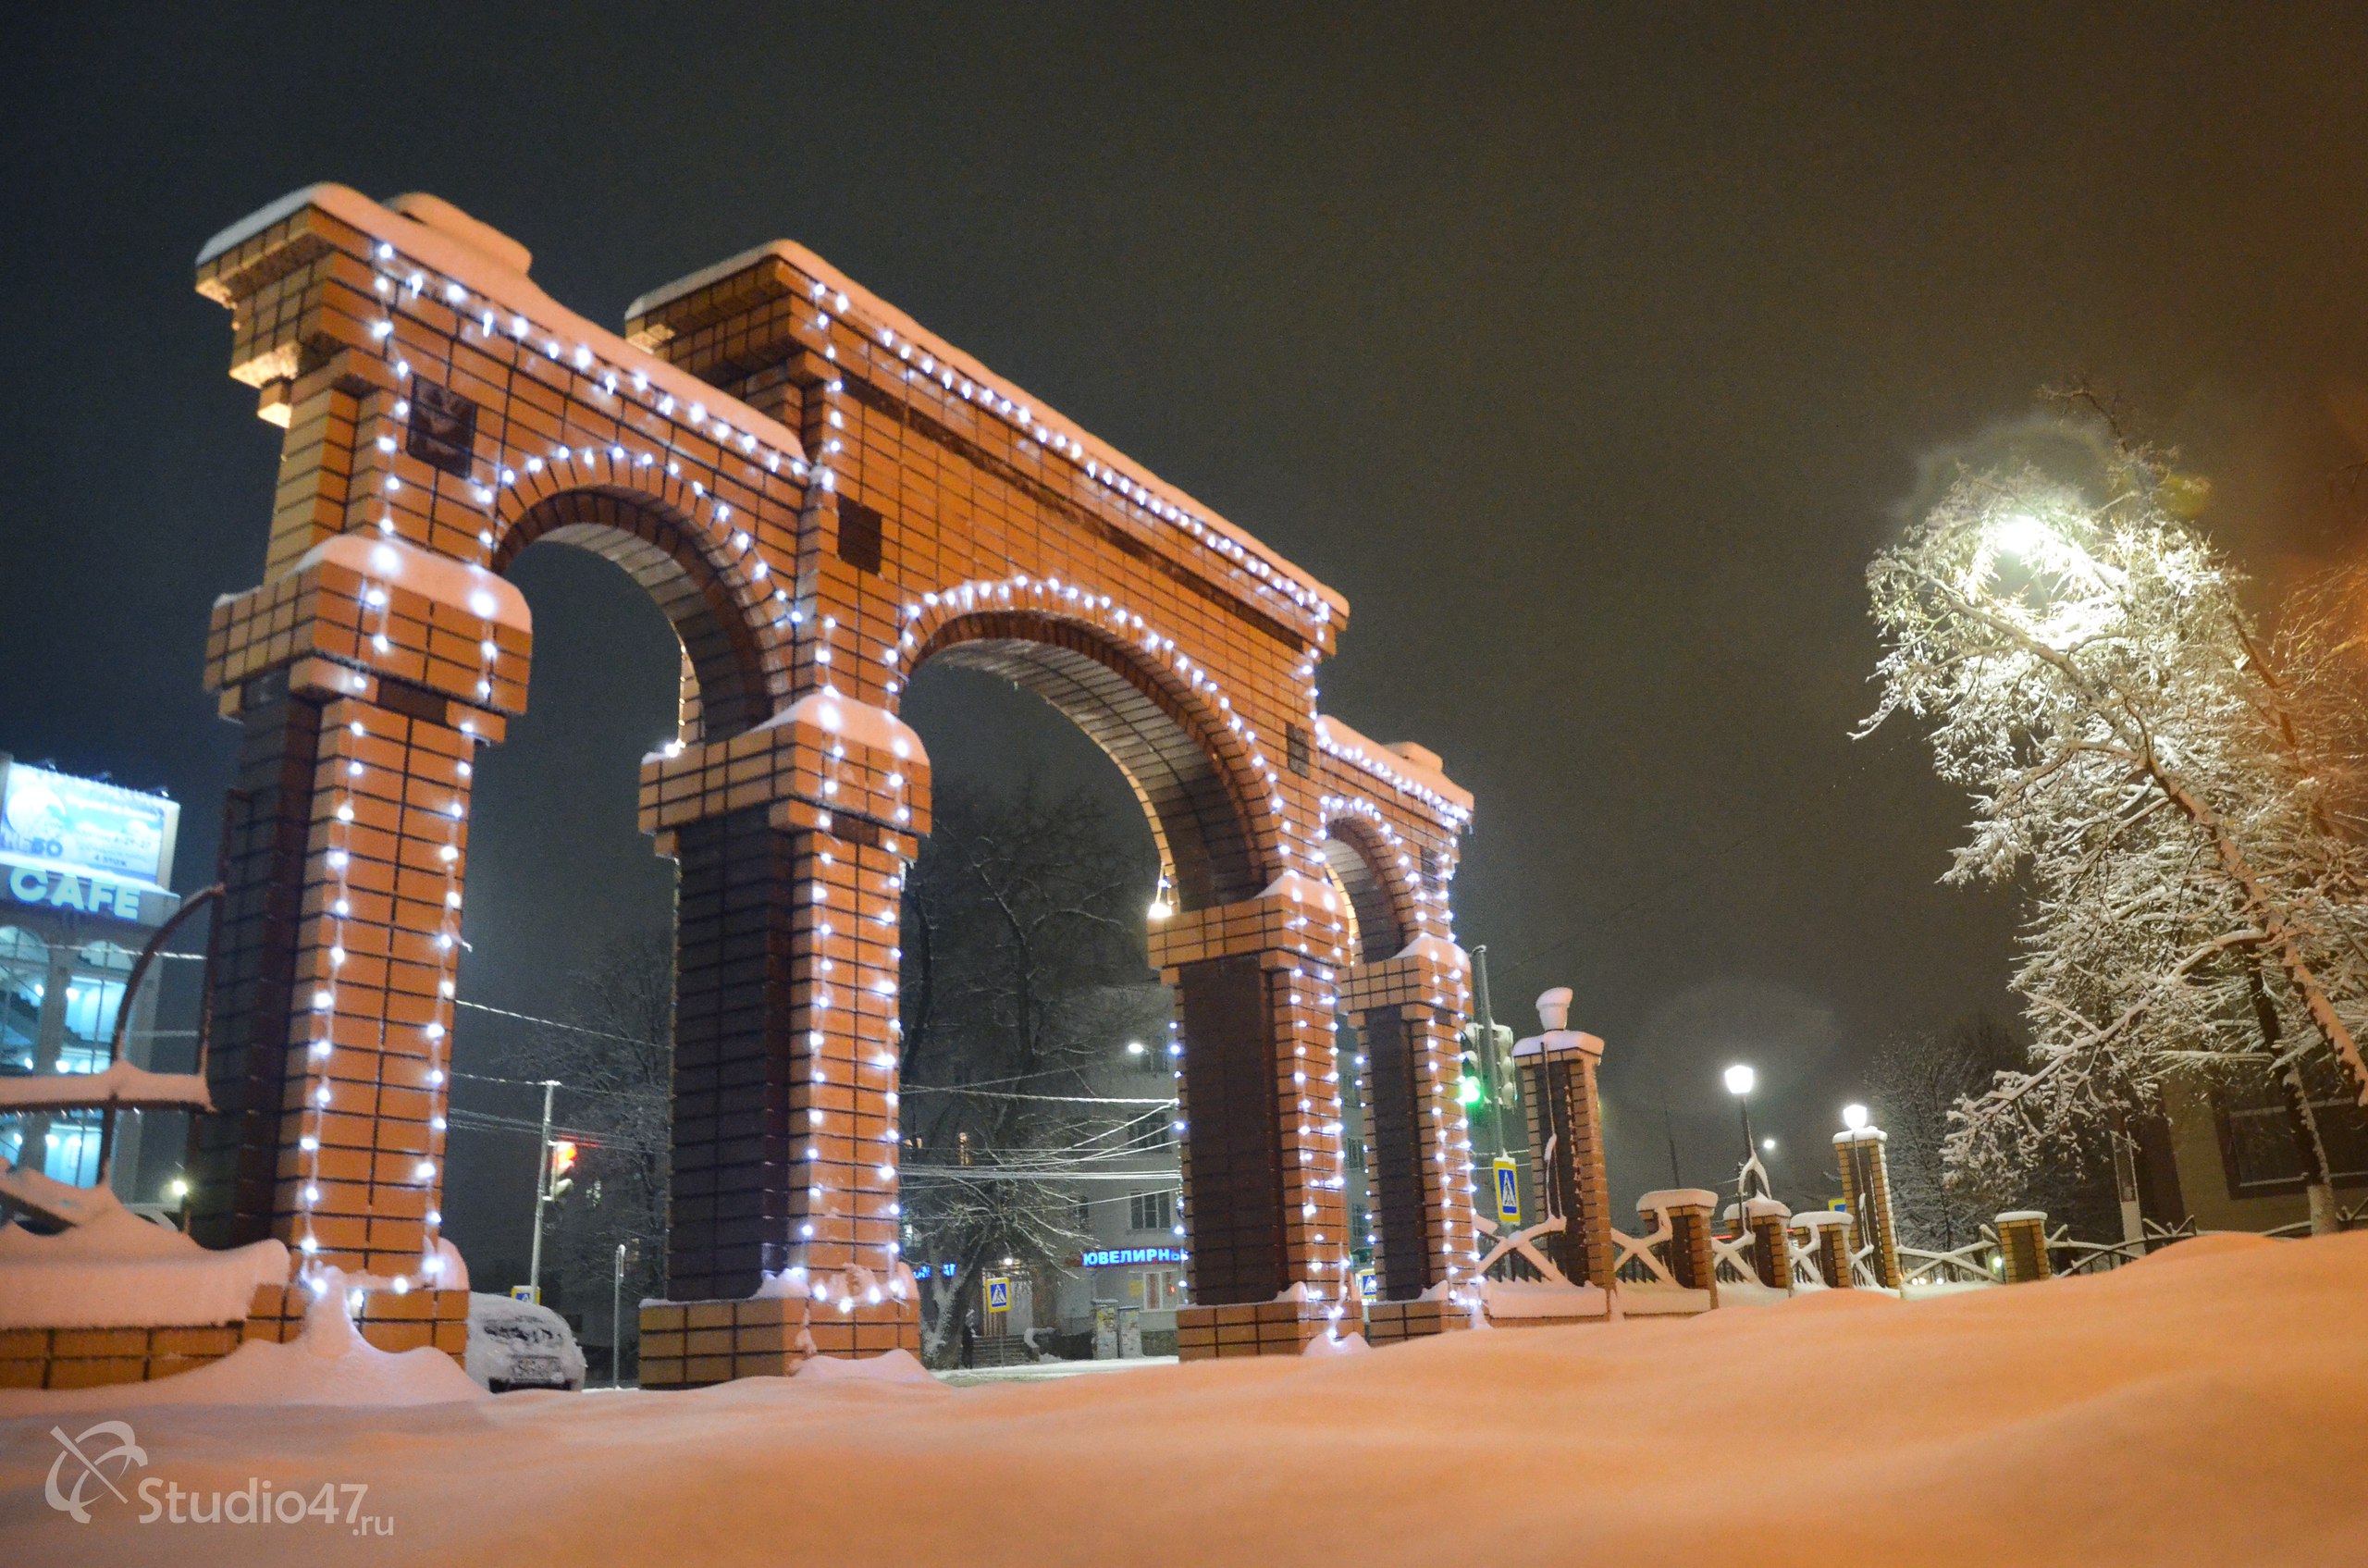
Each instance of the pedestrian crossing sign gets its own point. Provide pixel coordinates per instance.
(1508, 1193)
(998, 1293)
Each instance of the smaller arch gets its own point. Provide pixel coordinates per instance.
(1380, 898)
(1194, 773)
(724, 644)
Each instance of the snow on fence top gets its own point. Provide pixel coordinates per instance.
(119, 1084)
(117, 1270)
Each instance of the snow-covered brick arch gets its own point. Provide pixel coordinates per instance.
(820, 495)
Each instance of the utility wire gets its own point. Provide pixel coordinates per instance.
(553, 1024)
(910, 1090)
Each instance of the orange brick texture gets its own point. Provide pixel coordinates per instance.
(82, 1358)
(1866, 1192)
(2022, 1246)
(822, 498)
(1566, 1131)
(1832, 1243)
(1771, 1257)
(1691, 1262)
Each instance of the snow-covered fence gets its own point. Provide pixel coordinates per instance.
(1519, 1256)
(1824, 1258)
(1973, 1263)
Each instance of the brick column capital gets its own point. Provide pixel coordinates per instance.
(1281, 924)
(824, 762)
(355, 613)
(1424, 975)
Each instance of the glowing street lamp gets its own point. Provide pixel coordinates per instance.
(2020, 535)
(1853, 1116)
(1741, 1079)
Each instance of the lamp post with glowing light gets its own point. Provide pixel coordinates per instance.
(1866, 1192)
(1741, 1079)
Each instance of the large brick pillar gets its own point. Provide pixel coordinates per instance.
(1829, 1232)
(364, 676)
(1558, 1080)
(1418, 1142)
(1265, 1201)
(1771, 1252)
(1692, 1265)
(792, 840)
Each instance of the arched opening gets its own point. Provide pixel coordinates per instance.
(1160, 763)
(1167, 749)
(570, 915)
(726, 692)
(1386, 1182)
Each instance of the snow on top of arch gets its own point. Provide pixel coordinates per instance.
(1408, 767)
(868, 310)
(462, 252)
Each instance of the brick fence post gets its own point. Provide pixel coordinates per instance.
(1691, 1264)
(1866, 1188)
(1558, 1080)
(1830, 1244)
(1771, 1253)
(2022, 1243)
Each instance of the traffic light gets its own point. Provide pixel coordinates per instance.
(1498, 1066)
(563, 1154)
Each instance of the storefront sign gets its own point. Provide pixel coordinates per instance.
(81, 825)
(50, 889)
(1131, 1254)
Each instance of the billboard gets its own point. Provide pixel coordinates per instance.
(63, 823)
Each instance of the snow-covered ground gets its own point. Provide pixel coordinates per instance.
(2208, 1406)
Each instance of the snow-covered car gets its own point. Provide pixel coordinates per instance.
(515, 1344)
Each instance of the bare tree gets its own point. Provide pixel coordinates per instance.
(1914, 1080)
(2171, 798)
(1023, 969)
(613, 1058)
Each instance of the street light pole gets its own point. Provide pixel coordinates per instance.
(617, 1323)
(1485, 1021)
(542, 1193)
(1740, 1080)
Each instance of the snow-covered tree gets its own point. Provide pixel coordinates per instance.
(1023, 972)
(2179, 806)
(613, 1057)
(1913, 1081)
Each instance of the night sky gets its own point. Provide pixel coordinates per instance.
(1591, 361)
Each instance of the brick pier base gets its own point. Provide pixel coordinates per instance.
(693, 1345)
(1204, 1333)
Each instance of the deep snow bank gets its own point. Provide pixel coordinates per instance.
(2209, 1407)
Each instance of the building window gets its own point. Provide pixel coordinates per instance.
(1150, 1210)
(1080, 1213)
(2259, 1147)
(1151, 1131)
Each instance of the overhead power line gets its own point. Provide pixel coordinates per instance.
(554, 1023)
(912, 1089)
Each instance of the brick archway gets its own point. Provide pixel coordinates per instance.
(821, 496)
(1203, 783)
(1405, 993)
(733, 669)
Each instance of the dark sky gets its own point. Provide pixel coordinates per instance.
(1590, 355)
